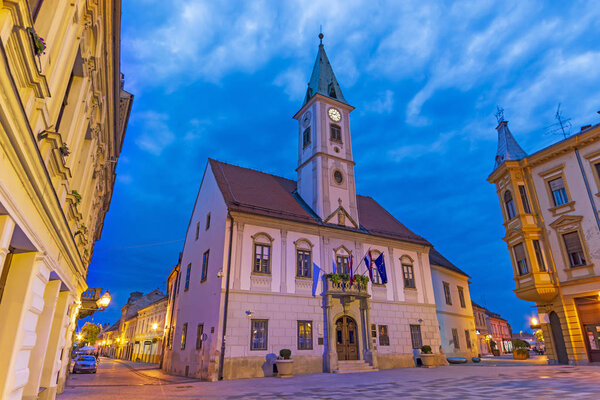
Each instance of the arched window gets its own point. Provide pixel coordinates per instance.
(342, 260)
(306, 137)
(262, 253)
(303, 258)
(408, 272)
(509, 204)
(336, 132)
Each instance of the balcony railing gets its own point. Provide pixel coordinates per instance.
(340, 285)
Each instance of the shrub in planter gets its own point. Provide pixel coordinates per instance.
(427, 357)
(285, 354)
(285, 366)
(520, 354)
(77, 196)
(39, 46)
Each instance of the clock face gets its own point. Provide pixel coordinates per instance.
(334, 114)
(306, 119)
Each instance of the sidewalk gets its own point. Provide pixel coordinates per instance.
(507, 359)
(153, 371)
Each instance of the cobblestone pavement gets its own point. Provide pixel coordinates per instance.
(471, 381)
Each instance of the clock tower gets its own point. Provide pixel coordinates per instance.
(325, 165)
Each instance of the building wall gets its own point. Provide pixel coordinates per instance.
(454, 316)
(481, 326)
(46, 232)
(147, 340)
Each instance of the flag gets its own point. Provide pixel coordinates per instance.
(380, 264)
(369, 264)
(334, 267)
(351, 271)
(316, 276)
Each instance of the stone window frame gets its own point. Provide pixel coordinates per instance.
(550, 175)
(593, 159)
(461, 296)
(199, 338)
(308, 324)
(306, 137)
(266, 335)
(262, 239)
(407, 260)
(304, 244)
(416, 344)
(567, 224)
(338, 129)
(455, 339)
(447, 293)
(468, 338)
(509, 205)
(527, 260)
(205, 258)
(338, 253)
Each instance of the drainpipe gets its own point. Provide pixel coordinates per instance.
(587, 187)
(226, 306)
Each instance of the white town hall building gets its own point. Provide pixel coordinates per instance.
(245, 284)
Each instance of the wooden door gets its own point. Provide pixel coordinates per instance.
(346, 333)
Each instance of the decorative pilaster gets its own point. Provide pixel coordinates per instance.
(283, 276)
(331, 359)
(237, 266)
(395, 272)
(370, 352)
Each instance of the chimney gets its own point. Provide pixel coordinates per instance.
(583, 128)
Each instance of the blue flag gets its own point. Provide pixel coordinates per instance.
(316, 275)
(380, 264)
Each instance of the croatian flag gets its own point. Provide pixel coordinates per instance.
(380, 264)
(369, 264)
(334, 267)
(317, 271)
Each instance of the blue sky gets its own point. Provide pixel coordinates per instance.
(222, 79)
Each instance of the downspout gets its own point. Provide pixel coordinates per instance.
(587, 187)
(226, 306)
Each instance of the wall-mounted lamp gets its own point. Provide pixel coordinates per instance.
(220, 273)
(249, 313)
(420, 320)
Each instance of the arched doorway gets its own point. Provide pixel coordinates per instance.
(346, 333)
(558, 339)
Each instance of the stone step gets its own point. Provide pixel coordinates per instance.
(353, 366)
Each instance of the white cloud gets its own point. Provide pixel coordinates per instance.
(293, 81)
(384, 104)
(156, 132)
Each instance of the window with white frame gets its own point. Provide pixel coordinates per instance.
(559, 193)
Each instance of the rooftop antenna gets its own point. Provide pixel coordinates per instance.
(562, 127)
(321, 34)
(499, 114)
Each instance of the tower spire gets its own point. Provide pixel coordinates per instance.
(323, 79)
(508, 148)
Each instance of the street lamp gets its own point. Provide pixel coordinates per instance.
(535, 324)
(154, 326)
(79, 336)
(104, 300)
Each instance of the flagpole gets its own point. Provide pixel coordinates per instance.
(361, 261)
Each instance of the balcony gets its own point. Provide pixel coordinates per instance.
(339, 286)
(536, 287)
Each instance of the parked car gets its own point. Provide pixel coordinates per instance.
(85, 363)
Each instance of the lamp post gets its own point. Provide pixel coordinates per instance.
(535, 323)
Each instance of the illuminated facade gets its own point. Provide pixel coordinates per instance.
(63, 117)
(550, 202)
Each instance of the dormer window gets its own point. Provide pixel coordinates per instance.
(306, 137)
(331, 91)
(335, 132)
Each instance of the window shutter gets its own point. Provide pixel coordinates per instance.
(556, 184)
(572, 242)
(519, 252)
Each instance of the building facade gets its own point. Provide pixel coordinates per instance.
(500, 332)
(453, 307)
(549, 201)
(63, 117)
(256, 250)
(481, 327)
(149, 332)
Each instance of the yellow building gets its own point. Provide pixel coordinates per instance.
(63, 115)
(147, 344)
(550, 202)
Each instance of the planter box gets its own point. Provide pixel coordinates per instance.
(517, 355)
(496, 353)
(285, 368)
(428, 360)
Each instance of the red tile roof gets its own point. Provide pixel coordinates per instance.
(256, 192)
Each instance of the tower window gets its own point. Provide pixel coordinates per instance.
(336, 132)
(332, 91)
(306, 137)
(510, 205)
(338, 177)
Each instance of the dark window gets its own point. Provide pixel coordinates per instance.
(384, 338)
(342, 264)
(461, 297)
(409, 276)
(447, 293)
(64, 104)
(197, 230)
(262, 253)
(373, 330)
(205, 265)
(524, 199)
(207, 222)
(574, 249)
(538, 255)
(170, 338)
(521, 259)
(183, 336)
(332, 91)
(336, 132)
(199, 334)
(455, 338)
(305, 341)
(258, 334)
(509, 204)
(306, 137)
(559, 194)
(415, 336)
(303, 262)
(187, 277)
(468, 337)
(338, 177)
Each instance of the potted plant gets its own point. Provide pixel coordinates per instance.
(495, 351)
(520, 349)
(427, 357)
(64, 150)
(285, 366)
(39, 45)
(77, 196)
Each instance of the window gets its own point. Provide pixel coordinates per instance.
(262, 257)
(187, 277)
(384, 339)
(183, 336)
(559, 194)
(468, 337)
(447, 293)
(521, 259)
(199, 338)
(376, 277)
(170, 338)
(415, 336)
(461, 297)
(197, 230)
(207, 222)
(539, 256)
(524, 199)
(204, 265)
(455, 338)
(574, 249)
(306, 137)
(409, 276)
(510, 205)
(303, 263)
(258, 334)
(336, 132)
(342, 264)
(305, 341)
(338, 177)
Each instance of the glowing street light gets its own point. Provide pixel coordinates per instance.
(154, 326)
(535, 323)
(104, 300)
(79, 336)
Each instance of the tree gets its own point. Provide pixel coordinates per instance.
(90, 333)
